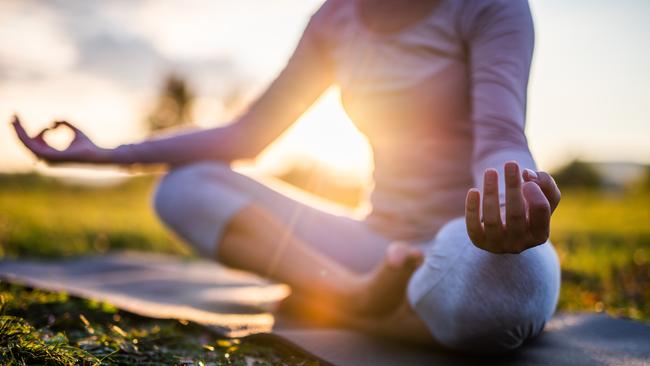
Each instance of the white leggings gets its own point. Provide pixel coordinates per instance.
(470, 299)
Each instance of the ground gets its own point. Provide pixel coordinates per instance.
(603, 240)
(39, 327)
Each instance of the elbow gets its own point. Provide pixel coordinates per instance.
(248, 152)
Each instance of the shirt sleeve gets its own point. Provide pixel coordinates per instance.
(500, 40)
(304, 78)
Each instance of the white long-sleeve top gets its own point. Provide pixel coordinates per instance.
(440, 101)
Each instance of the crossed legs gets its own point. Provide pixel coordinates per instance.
(261, 230)
(462, 297)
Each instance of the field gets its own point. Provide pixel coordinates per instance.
(603, 240)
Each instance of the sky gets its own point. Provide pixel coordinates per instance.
(100, 64)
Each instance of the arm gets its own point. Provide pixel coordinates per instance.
(305, 77)
(500, 38)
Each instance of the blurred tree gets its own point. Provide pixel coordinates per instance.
(578, 174)
(174, 107)
(234, 100)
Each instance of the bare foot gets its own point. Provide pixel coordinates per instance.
(383, 290)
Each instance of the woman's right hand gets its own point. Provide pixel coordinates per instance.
(80, 150)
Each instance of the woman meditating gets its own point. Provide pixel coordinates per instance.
(439, 89)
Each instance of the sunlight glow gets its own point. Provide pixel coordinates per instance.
(587, 96)
(326, 135)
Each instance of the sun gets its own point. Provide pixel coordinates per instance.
(324, 133)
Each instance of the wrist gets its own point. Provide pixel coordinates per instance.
(122, 154)
(104, 156)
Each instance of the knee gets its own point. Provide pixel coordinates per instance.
(478, 325)
(178, 192)
(197, 202)
(477, 301)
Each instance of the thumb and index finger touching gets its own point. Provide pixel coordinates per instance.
(22, 134)
(547, 185)
(67, 124)
(36, 144)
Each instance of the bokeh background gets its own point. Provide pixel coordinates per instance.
(124, 70)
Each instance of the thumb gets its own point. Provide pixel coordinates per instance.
(547, 185)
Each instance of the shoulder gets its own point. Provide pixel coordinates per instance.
(477, 16)
(327, 22)
(330, 13)
(477, 8)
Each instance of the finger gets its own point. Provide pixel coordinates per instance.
(473, 217)
(36, 145)
(78, 134)
(21, 133)
(416, 257)
(529, 175)
(42, 149)
(515, 205)
(550, 189)
(39, 137)
(491, 210)
(539, 212)
(66, 124)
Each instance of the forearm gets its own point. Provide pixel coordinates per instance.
(226, 144)
(501, 40)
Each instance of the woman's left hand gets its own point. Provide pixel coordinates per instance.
(80, 150)
(527, 210)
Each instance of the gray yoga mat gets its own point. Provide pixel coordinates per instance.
(236, 304)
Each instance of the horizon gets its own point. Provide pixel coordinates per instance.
(587, 93)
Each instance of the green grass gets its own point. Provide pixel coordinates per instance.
(604, 245)
(603, 241)
(63, 330)
(44, 218)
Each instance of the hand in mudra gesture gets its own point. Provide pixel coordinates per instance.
(527, 210)
(80, 150)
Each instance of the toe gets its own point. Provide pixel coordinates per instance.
(397, 255)
(403, 256)
(416, 258)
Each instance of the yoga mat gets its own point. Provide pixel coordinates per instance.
(235, 304)
(570, 339)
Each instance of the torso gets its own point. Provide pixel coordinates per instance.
(406, 88)
(391, 16)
